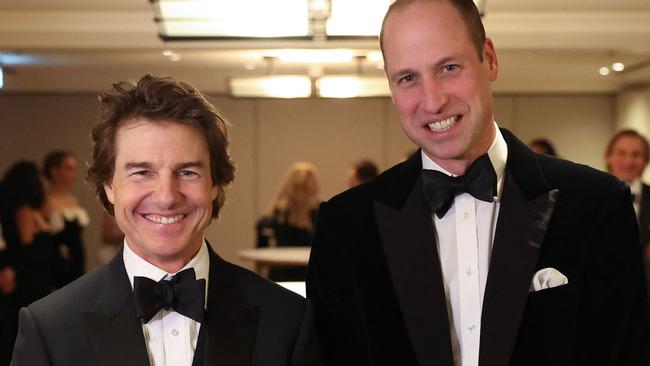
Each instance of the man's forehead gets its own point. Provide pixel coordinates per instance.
(144, 140)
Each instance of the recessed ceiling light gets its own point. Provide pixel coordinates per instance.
(618, 66)
(167, 53)
(604, 71)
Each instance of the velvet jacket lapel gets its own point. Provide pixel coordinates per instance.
(527, 204)
(114, 330)
(116, 333)
(407, 236)
(231, 322)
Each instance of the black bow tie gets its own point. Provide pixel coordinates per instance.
(479, 180)
(183, 293)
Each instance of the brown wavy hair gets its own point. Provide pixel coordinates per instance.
(158, 99)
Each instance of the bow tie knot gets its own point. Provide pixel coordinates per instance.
(440, 190)
(183, 293)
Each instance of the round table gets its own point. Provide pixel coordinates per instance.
(278, 256)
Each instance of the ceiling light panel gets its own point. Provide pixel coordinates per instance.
(233, 19)
(356, 18)
(271, 87)
(352, 86)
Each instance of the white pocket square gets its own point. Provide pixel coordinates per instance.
(548, 278)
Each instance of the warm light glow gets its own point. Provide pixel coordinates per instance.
(313, 56)
(618, 66)
(356, 18)
(271, 87)
(205, 18)
(352, 86)
(375, 56)
(604, 71)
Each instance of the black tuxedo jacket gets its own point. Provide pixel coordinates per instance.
(376, 283)
(92, 321)
(644, 216)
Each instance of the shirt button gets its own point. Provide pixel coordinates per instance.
(174, 332)
(468, 270)
(471, 327)
(465, 215)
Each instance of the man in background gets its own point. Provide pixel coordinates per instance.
(476, 250)
(361, 172)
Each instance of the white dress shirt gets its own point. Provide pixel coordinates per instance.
(170, 337)
(464, 237)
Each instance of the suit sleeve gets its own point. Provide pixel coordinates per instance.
(307, 349)
(330, 287)
(614, 317)
(29, 349)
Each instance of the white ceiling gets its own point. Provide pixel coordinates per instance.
(85, 45)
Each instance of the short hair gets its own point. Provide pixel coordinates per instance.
(158, 99)
(628, 133)
(545, 145)
(467, 11)
(365, 170)
(54, 159)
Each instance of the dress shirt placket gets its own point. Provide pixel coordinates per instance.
(468, 278)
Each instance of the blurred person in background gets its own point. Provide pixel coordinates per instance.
(290, 221)
(27, 267)
(66, 217)
(361, 172)
(626, 157)
(542, 146)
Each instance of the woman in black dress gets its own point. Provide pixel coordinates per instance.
(65, 216)
(29, 248)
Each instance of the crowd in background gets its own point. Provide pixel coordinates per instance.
(41, 221)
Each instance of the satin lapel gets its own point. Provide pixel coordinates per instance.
(231, 323)
(521, 228)
(409, 245)
(114, 330)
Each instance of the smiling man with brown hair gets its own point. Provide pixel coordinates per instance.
(160, 165)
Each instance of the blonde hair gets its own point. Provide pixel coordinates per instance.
(298, 195)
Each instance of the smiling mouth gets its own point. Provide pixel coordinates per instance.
(443, 125)
(165, 220)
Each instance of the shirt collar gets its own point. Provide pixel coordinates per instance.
(498, 154)
(137, 266)
(635, 187)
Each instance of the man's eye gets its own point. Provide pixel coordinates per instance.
(406, 79)
(187, 173)
(141, 173)
(450, 68)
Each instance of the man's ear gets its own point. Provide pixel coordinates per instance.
(108, 189)
(490, 56)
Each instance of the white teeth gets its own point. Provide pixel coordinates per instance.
(440, 126)
(164, 220)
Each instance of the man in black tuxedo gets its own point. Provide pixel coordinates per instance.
(491, 255)
(160, 165)
(626, 157)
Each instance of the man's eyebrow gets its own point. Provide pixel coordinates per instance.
(137, 165)
(189, 164)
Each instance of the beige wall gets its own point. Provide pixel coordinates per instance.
(268, 135)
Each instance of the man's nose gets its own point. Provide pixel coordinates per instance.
(166, 192)
(434, 96)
